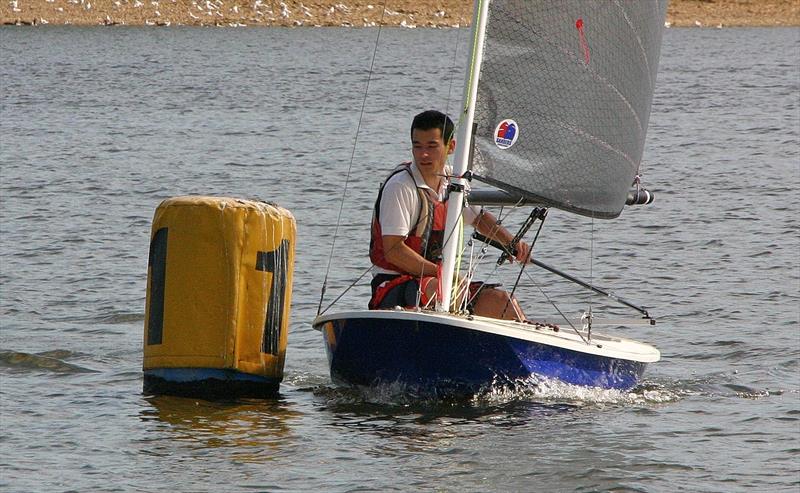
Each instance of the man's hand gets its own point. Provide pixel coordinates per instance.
(524, 253)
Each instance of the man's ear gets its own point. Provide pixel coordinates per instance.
(451, 147)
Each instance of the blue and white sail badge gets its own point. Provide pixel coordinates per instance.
(506, 133)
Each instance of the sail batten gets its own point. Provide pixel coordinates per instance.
(563, 99)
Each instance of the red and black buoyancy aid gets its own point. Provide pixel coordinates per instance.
(426, 236)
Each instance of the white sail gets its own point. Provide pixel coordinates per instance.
(557, 100)
(564, 98)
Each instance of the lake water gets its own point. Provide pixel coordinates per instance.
(98, 125)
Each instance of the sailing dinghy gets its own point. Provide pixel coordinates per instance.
(556, 105)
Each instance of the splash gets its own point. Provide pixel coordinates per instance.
(502, 391)
(552, 391)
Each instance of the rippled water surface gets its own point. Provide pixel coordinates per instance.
(97, 126)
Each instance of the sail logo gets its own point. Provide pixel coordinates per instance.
(506, 133)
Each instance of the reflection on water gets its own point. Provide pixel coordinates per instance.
(459, 436)
(254, 429)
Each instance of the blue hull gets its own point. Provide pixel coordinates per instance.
(445, 359)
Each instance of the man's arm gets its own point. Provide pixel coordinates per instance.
(401, 255)
(486, 224)
(399, 206)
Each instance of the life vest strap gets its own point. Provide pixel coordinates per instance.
(383, 284)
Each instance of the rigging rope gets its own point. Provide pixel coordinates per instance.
(350, 166)
(591, 280)
(535, 214)
(452, 75)
(530, 278)
(352, 159)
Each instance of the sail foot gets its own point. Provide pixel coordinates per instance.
(636, 196)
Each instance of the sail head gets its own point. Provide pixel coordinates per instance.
(564, 99)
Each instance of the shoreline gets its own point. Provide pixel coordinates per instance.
(402, 13)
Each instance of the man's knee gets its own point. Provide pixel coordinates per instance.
(494, 295)
(494, 303)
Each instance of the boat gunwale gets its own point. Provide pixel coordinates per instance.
(600, 345)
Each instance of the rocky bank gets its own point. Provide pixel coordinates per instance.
(406, 13)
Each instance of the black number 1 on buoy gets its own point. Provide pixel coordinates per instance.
(274, 262)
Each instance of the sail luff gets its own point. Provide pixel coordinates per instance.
(462, 155)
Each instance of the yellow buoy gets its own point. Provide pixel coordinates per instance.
(219, 283)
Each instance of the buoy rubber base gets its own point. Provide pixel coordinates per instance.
(208, 383)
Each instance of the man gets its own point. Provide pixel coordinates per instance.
(408, 228)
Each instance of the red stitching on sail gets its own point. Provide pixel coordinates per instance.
(584, 43)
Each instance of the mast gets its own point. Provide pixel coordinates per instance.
(461, 158)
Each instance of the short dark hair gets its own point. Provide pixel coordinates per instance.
(428, 120)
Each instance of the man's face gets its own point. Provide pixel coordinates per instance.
(429, 150)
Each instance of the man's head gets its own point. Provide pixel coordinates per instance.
(428, 120)
(431, 142)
